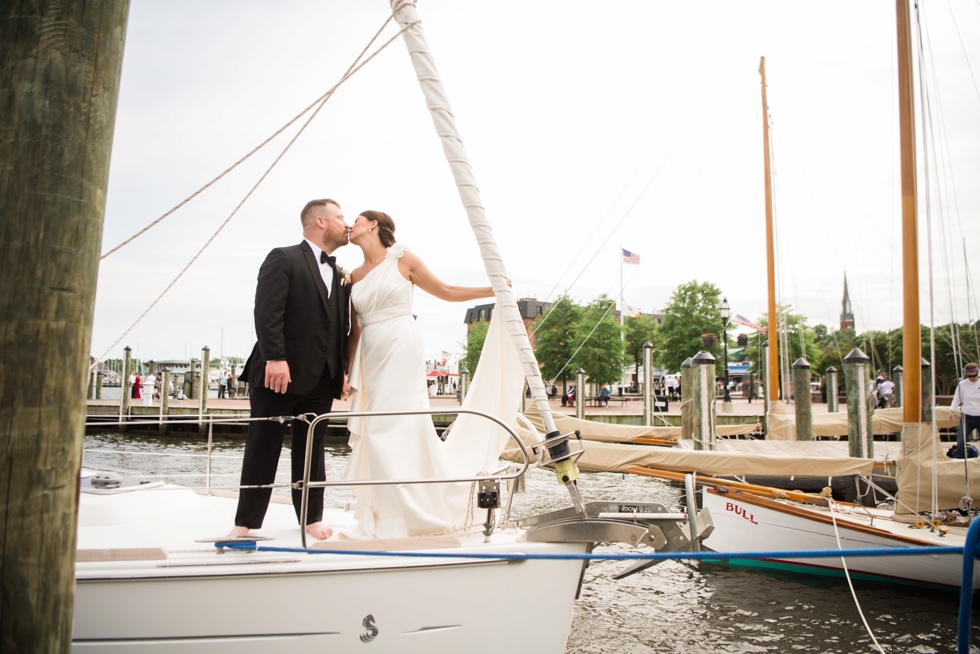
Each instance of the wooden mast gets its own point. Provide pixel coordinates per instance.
(911, 336)
(772, 380)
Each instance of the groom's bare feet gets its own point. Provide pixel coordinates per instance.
(238, 532)
(319, 530)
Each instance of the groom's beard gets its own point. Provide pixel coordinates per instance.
(338, 242)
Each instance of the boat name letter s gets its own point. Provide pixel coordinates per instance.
(372, 631)
(737, 510)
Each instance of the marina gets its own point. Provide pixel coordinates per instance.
(580, 474)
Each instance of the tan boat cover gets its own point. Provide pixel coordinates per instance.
(614, 457)
(915, 470)
(781, 421)
(610, 433)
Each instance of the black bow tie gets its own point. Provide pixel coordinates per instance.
(326, 258)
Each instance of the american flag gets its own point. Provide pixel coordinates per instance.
(742, 320)
(630, 257)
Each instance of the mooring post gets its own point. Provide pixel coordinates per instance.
(202, 407)
(765, 378)
(702, 415)
(194, 392)
(897, 378)
(164, 399)
(802, 405)
(832, 390)
(926, 390)
(580, 394)
(687, 394)
(99, 380)
(60, 64)
(464, 383)
(125, 386)
(859, 438)
(90, 393)
(648, 396)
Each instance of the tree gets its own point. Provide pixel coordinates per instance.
(639, 330)
(691, 311)
(473, 346)
(556, 341)
(797, 331)
(601, 341)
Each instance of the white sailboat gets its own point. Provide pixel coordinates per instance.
(149, 578)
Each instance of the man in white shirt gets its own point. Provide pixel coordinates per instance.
(967, 397)
(887, 389)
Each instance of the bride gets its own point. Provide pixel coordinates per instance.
(388, 374)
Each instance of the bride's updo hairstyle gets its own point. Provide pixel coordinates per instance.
(386, 226)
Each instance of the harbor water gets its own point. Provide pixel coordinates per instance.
(672, 607)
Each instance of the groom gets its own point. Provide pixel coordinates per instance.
(299, 363)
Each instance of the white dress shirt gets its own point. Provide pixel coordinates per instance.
(326, 270)
(967, 395)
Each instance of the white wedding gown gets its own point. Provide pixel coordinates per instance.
(388, 374)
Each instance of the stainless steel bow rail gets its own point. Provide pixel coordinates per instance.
(489, 482)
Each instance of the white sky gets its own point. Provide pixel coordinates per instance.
(559, 104)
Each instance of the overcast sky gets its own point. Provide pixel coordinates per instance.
(590, 126)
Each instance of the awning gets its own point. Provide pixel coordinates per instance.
(433, 374)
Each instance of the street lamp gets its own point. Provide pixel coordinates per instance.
(725, 312)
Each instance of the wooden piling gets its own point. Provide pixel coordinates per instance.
(926, 390)
(580, 394)
(802, 403)
(464, 383)
(765, 378)
(194, 392)
(859, 437)
(99, 380)
(125, 386)
(648, 396)
(832, 390)
(205, 371)
(703, 396)
(897, 377)
(59, 64)
(164, 400)
(687, 377)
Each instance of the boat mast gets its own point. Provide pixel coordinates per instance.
(772, 381)
(911, 337)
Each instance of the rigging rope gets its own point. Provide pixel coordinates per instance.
(354, 68)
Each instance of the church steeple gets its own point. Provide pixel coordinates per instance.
(846, 313)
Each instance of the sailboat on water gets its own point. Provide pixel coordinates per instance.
(929, 507)
(148, 579)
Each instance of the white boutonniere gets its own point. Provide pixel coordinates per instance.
(344, 276)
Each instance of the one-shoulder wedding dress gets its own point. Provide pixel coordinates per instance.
(388, 374)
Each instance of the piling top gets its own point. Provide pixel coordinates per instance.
(897, 369)
(702, 358)
(464, 371)
(128, 349)
(830, 369)
(687, 363)
(765, 343)
(856, 356)
(925, 363)
(579, 372)
(206, 348)
(648, 345)
(800, 363)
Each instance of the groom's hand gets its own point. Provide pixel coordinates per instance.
(346, 391)
(277, 376)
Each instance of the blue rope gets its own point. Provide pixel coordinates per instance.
(972, 544)
(648, 556)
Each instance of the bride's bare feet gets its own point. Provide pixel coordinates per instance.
(238, 532)
(319, 530)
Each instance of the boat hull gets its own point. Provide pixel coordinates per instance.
(747, 524)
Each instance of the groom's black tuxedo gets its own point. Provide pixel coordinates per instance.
(296, 321)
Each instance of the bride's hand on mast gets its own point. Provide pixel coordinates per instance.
(412, 269)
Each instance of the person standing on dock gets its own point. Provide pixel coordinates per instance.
(967, 397)
(299, 363)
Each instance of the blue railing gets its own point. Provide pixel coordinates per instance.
(971, 546)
